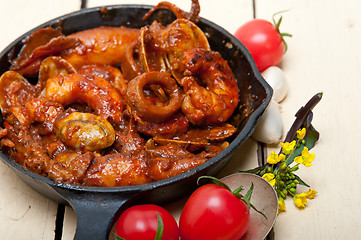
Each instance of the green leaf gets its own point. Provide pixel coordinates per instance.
(247, 197)
(253, 171)
(286, 35)
(311, 138)
(247, 200)
(237, 191)
(277, 26)
(254, 208)
(160, 228)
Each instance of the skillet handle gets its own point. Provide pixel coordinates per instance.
(96, 211)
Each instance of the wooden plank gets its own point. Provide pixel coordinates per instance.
(25, 214)
(20, 16)
(324, 55)
(69, 226)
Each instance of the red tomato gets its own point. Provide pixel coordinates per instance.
(263, 41)
(141, 222)
(213, 212)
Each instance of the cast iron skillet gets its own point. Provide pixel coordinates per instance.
(96, 207)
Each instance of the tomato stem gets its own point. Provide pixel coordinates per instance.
(116, 237)
(237, 191)
(160, 227)
(215, 181)
(277, 26)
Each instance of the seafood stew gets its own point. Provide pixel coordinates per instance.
(126, 120)
(97, 207)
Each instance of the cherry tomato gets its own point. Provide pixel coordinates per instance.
(141, 222)
(264, 42)
(213, 212)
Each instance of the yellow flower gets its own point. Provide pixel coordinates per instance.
(311, 193)
(281, 205)
(287, 147)
(306, 158)
(269, 177)
(301, 133)
(273, 158)
(300, 200)
(299, 159)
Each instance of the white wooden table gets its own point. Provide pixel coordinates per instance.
(324, 55)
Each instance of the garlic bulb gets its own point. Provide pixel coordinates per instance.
(276, 78)
(270, 127)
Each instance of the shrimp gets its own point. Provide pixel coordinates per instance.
(50, 67)
(110, 73)
(210, 87)
(104, 99)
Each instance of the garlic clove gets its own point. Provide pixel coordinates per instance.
(276, 78)
(270, 127)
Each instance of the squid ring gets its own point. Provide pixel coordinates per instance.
(141, 104)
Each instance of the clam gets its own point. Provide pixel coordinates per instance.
(180, 36)
(150, 54)
(85, 131)
(52, 66)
